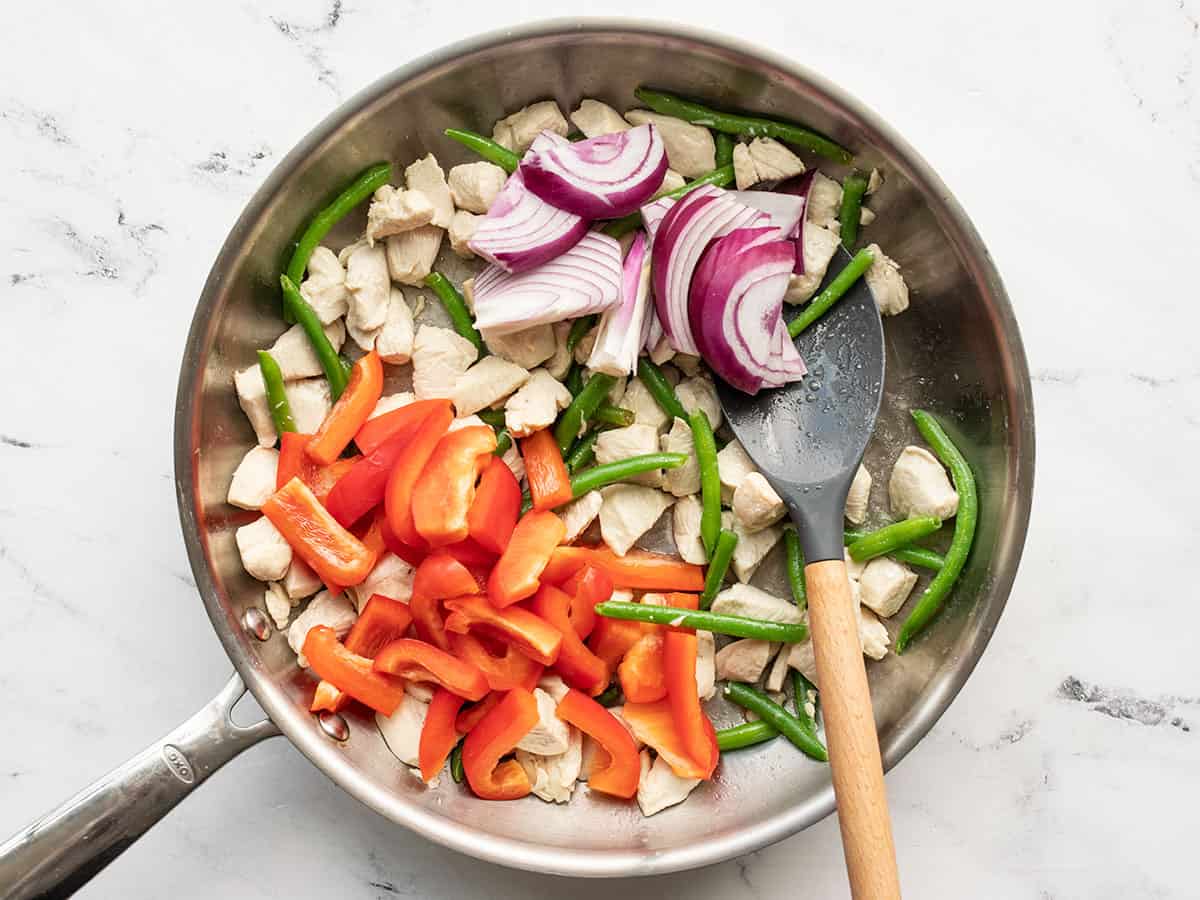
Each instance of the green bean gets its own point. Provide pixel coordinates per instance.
(362, 187)
(916, 556)
(581, 409)
(768, 710)
(718, 623)
(277, 401)
(752, 126)
(582, 453)
(964, 528)
(456, 764)
(710, 479)
(623, 470)
(503, 443)
(579, 328)
(718, 566)
(800, 687)
(795, 567)
(485, 147)
(308, 320)
(841, 283)
(456, 308)
(724, 144)
(574, 379)
(717, 178)
(891, 537)
(616, 416)
(660, 389)
(854, 188)
(745, 735)
(611, 695)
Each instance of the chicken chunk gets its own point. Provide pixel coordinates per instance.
(743, 660)
(672, 181)
(885, 584)
(265, 554)
(579, 514)
(411, 255)
(310, 401)
(659, 787)
(865, 216)
(802, 658)
(277, 604)
(324, 609)
(294, 354)
(733, 464)
(752, 547)
(824, 202)
(777, 676)
(554, 686)
(394, 343)
(254, 478)
(919, 486)
(551, 735)
(751, 602)
(699, 392)
(307, 394)
(633, 440)
(872, 634)
(685, 479)
(475, 185)
(886, 283)
(392, 577)
(553, 777)
(756, 505)
(402, 729)
(440, 357)
(685, 525)
(859, 496)
(854, 570)
(559, 362)
(300, 581)
(629, 511)
(594, 118)
(874, 181)
(646, 411)
(489, 381)
(421, 690)
(706, 664)
(394, 211)
(688, 364)
(462, 228)
(820, 244)
(662, 351)
(586, 344)
(427, 177)
(516, 132)
(764, 159)
(536, 405)
(325, 286)
(390, 403)
(527, 348)
(370, 290)
(690, 148)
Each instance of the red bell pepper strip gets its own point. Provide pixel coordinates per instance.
(414, 556)
(503, 673)
(620, 777)
(693, 726)
(382, 621)
(516, 574)
(587, 587)
(638, 569)
(578, 666)
(643, 678)
(612, 638)
(438, 577)
(443, 494)
(497, 505)
(500, 730)
(529, 633)
(397, 498)
(438, 735)
(337, 556)
(381, 429)
(475, 713)
(419, 661)
(654, 724)
(293, 461)
(549, 482)
(324, 478)
(350, 672)
(350, 411)
(471, 554)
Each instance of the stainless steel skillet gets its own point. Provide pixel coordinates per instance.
(957, 351)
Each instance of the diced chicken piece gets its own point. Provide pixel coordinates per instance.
(392, 577)
(685, 524)
(865, 216)
(324, 609)
(690, 148)
(874, 181)
(411, 255)
(254, 478)
(370, 290)
(706, 664)
(489, 381)
(585, 345)
(390, 403)
(466, 422)
(294, 354)
(394, 211)
(662, 351)
(733, 464)
(743, 660)
(265, 554)
(592, 752)
(420, 690)
(824, 202)
(325, 286)
(659, 787)
(752, 547)
(886, 283)
(475, 185)
(802, 658)
(579, 514)
(672, 375)
(426, 176)
(629, 511)
(536, 405)
(872, 634)
(440, 357)
(919, 486)
(512, 459)
(699, 392)
(553, 777)
(310, 401)
(516, 132)
(402, 729)
(462, 229)
(551, 735)
(277, 604)
(756, 505)
(252, 397)
(854, 569)
(594, 118)
(527, 348)
(689, 365)
(646, 411)
(820, 244)
(751, 602)
(554, 686)
(672, 181)
(764, 159)
(685, 479)
(559, 363)
(633, 440)
(779, 668)
(859, 496)
(885, 584)
(395, 340)
(300, 581)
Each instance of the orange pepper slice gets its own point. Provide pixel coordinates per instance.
(349, 672)
(415, 660)
(619, 777)
(337, 556)
(438, 735)
(517, 572)
(497, 733)
(638, 570)
(397, 498)
(382, 621)
(497, 506)
(350, 411)
(579, 666)
(529, 633)
(545, 471)
(443, 495)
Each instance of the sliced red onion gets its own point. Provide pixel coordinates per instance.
(799, 187)
(585, 279)
(785, 210)
(653, 213)
(619, 336)
(682, 236)
(604, 177)
(736, 298)
(521, 230)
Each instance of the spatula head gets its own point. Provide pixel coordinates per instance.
(808, 437)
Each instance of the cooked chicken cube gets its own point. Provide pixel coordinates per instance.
(733, 464)
(824, 202)
(394, 342)
(426, 176)
(706, 664)
(516, 132)
(325, 286)
(402, 729)
(820, 244)
(865, 216)
(440, 357)
(752, 547)
(594, 118)
(554, 686)
(300, 581)
(886, 283)
(885, 584)
(489, 381)
(462, 229)
(685, 524)
(688, 364)
(659, 787)
(310, 401)
(699, 392)
(743, 660)
(420, 690)
(265, 554)
(392, 577)
(579, 514)
(586, 344)
(662, 351)
(370, 289)
(646, 411)
(778, 674)
(277, 604)
(802, 658)
(755, 503)
(411, 255)
(528, 347)
(874, 181)
(475, 185)
(553, 777)
(536, 405)
(764, 159)
(872, 634)
(390, 403)
(919, 486)
(633, 440)
(252, 397)
(672, 181)
(551, 735)
(690, 148)
(254, 478)
(324, 609)
(394, 211)
(559, 363)
(685, 479)
(859, 496)
(854, 569)
(751, 602)
(294, 354)
(629, 511)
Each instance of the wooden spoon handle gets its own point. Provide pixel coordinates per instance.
(850, 730)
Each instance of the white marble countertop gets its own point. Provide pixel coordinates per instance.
(132, 134)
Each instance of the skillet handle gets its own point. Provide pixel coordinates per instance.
(60, 852)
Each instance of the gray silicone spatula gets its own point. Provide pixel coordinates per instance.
(808, 439)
